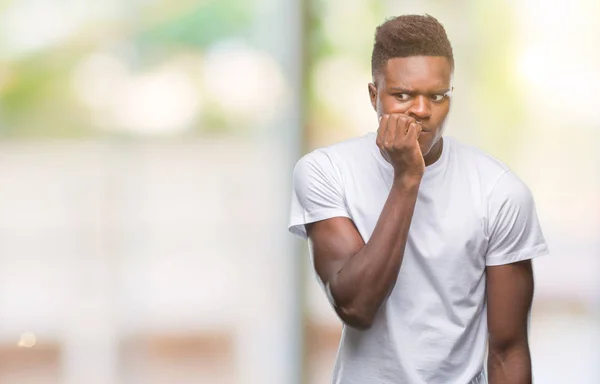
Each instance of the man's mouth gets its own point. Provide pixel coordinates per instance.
(423, 127)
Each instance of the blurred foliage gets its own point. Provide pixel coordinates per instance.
(336, 29)
(499, 107)
(36, 93)
(37, 98)
(198, 26)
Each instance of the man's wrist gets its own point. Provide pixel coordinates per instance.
(406, 182)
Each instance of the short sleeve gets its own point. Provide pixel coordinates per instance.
(513, 226)
(317, 192)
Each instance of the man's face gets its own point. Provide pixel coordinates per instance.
(418, 86)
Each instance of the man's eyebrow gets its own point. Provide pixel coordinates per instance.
(401, 90)
(410, 91)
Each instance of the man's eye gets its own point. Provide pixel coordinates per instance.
(402, 96)
(438, 97)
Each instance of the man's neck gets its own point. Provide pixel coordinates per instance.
(435, 153)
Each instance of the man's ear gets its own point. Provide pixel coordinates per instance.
(373, 95)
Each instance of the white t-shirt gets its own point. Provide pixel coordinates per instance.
(471, 212)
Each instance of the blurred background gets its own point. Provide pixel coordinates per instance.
(146, 149)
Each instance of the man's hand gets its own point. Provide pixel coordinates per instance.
(397, 139)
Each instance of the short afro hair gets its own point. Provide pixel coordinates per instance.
(410, 35)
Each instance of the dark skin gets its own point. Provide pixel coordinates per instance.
(411, 98)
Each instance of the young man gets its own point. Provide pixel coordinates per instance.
(423, 244)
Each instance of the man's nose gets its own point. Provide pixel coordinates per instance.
(420, 108)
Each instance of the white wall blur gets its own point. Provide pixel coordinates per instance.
(104, 242)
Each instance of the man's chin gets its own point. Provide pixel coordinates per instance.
(428, 147)
(425, 146)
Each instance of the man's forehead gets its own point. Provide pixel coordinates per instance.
(417, 72)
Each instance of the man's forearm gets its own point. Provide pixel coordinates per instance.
(366, 280)
(510, 366)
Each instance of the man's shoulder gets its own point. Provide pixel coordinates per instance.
(352, 146)
(353, 149)
(494, 176)
(327, 168)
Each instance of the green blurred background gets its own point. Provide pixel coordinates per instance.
(146, 150)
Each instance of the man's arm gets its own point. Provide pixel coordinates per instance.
(509, 297)
(359, 277)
